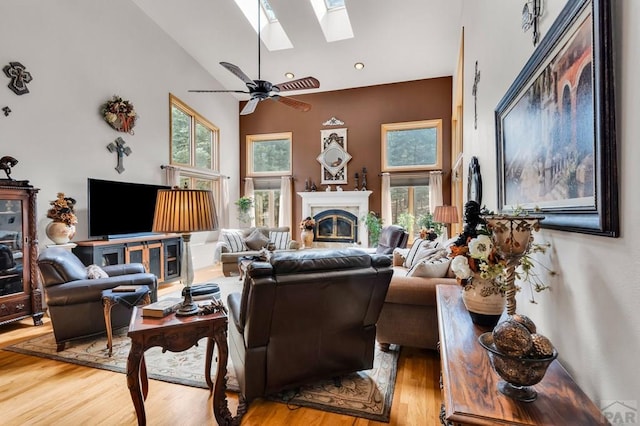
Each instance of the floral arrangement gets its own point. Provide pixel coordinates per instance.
(62, 210)
(474, 252)
(120, 114)
(308, 223)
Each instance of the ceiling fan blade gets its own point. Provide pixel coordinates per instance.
(299, 84)
(294, 103)
(238, 73)
(219, 91)
(250, 106)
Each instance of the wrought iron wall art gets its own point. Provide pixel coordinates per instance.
(118, 147)
(531, 13)
(19, 77)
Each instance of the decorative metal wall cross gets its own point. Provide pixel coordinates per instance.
(19, 77)
(531, 13)
(120, 149)
(474, 92)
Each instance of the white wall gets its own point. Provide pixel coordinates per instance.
(80, 53)
(592, 312)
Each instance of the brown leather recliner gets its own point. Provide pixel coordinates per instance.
(304, 316)
(75, 302)
(391, 237)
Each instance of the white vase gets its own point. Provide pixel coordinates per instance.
(60, 232)
(484, 301)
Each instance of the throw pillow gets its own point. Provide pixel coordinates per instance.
(256, 240)
(419, 250)
(280, 239)
(234, 240)
(94, 272)
(430, 268)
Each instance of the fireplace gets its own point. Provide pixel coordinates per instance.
(336, 226)
(337, 215)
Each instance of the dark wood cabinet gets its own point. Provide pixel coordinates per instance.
(160, 254)
(469, 384)
(20, 294)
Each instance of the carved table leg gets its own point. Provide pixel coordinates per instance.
(107, 303)
(136, 356)
(220, 407)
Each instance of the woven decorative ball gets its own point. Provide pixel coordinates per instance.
(512, 338)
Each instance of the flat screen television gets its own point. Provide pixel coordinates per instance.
(120, 209)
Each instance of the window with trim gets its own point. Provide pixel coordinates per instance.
(268, 157)
(409, 200)
(412, 146)
(266, 200)
(194, 147)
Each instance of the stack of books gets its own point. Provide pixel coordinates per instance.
(162, 307)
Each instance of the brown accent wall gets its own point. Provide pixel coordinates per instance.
(363, 110)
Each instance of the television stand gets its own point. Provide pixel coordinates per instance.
(159, 253)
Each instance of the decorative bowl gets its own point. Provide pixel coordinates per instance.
(518, 373)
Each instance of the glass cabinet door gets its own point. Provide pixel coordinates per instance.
(11, 247)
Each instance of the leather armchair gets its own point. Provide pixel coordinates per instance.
(391, 237)
(75, 302)
(304, 316)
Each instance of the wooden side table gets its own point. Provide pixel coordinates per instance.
(469, 384)
(176, 334)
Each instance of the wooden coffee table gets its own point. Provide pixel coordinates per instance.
(176, 334)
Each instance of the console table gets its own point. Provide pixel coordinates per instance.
(469, 384)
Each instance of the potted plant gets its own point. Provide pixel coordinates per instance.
(373, 222)
(62, 211)
(244, 205)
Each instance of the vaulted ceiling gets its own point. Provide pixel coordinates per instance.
(397, 40)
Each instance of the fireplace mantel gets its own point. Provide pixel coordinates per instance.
(356, 202)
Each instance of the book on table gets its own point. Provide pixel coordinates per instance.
(125, 288)
(162, 307)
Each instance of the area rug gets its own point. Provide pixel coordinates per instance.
(366, 394)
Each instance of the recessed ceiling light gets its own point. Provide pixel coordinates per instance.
(289, 75)
(358, 65)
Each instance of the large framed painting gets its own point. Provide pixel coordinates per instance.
(555, 126)
(333, 156)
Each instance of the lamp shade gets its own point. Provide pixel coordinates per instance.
(445, 214)
(184, 211)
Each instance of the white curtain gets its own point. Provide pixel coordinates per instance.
(435, 191)
(171, 176)
(249, 192)
(284, 215)
(223, 208)
(386, 214)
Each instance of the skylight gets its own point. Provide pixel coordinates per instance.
(333, 19)
(334, 4)
(271, 32)
(268, 10)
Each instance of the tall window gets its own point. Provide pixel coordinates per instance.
(194, 147)
(409, 200)
(267, 202)
(268, 156)
(409, 151)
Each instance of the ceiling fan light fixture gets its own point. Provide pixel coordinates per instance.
(358, 65)
(289, 75)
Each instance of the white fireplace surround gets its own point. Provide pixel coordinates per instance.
(356, 202)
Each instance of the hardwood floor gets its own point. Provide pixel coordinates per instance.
(38, 391)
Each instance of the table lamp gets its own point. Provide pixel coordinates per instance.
(184, 211)
(446, 215)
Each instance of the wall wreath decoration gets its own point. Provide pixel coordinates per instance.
(119, 114)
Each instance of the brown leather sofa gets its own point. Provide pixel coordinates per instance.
(409, 314)
(304, 316)
(75, 302)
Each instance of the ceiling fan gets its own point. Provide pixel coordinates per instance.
(263, 89)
